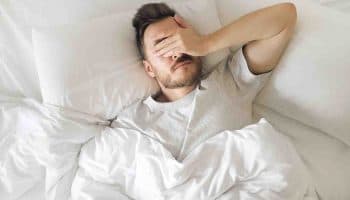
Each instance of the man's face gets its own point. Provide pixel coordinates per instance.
(178, 70)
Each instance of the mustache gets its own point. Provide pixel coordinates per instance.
(182, 58)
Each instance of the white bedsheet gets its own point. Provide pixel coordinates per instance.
(40, 151)
(327, 158)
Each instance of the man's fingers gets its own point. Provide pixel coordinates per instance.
(165, 43)
(167, 49)
(168, 54)
(180, 21)
(176, 50)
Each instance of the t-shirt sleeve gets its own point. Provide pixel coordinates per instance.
(246, 81)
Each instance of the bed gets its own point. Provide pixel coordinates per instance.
(44, 124)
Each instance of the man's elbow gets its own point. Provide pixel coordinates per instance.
(292, 13)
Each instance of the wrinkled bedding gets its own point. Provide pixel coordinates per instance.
(39, 147)
(255, 162)
(49, 153)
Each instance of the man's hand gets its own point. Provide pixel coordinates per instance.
(186, 40)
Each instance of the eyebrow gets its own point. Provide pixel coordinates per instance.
(159, 40)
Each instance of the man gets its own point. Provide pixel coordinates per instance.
(191, 106)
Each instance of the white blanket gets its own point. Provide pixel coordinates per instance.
(255, 162)
(46, 154)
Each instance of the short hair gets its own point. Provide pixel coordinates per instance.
(146, 15)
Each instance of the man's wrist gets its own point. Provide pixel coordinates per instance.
(207, 44)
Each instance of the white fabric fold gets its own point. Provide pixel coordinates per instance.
(255, 162)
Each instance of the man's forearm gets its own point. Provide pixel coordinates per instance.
(258, 25)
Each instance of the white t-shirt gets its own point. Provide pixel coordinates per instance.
(222, 101)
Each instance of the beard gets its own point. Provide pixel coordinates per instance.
(190, 77)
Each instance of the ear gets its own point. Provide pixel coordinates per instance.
(148, 68)
(181, 21)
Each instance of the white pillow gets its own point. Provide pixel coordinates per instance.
(95, 68)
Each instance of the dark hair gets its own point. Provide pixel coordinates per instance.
(146, 15)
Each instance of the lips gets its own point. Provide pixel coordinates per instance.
(182, 64)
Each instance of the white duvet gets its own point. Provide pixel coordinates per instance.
(50, 155)
(255, 162)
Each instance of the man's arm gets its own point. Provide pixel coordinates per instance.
(264, 35)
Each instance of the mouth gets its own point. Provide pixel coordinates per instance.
(181, 64)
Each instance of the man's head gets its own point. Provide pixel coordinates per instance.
(154, 22)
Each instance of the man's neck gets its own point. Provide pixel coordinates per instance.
(169, 95)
